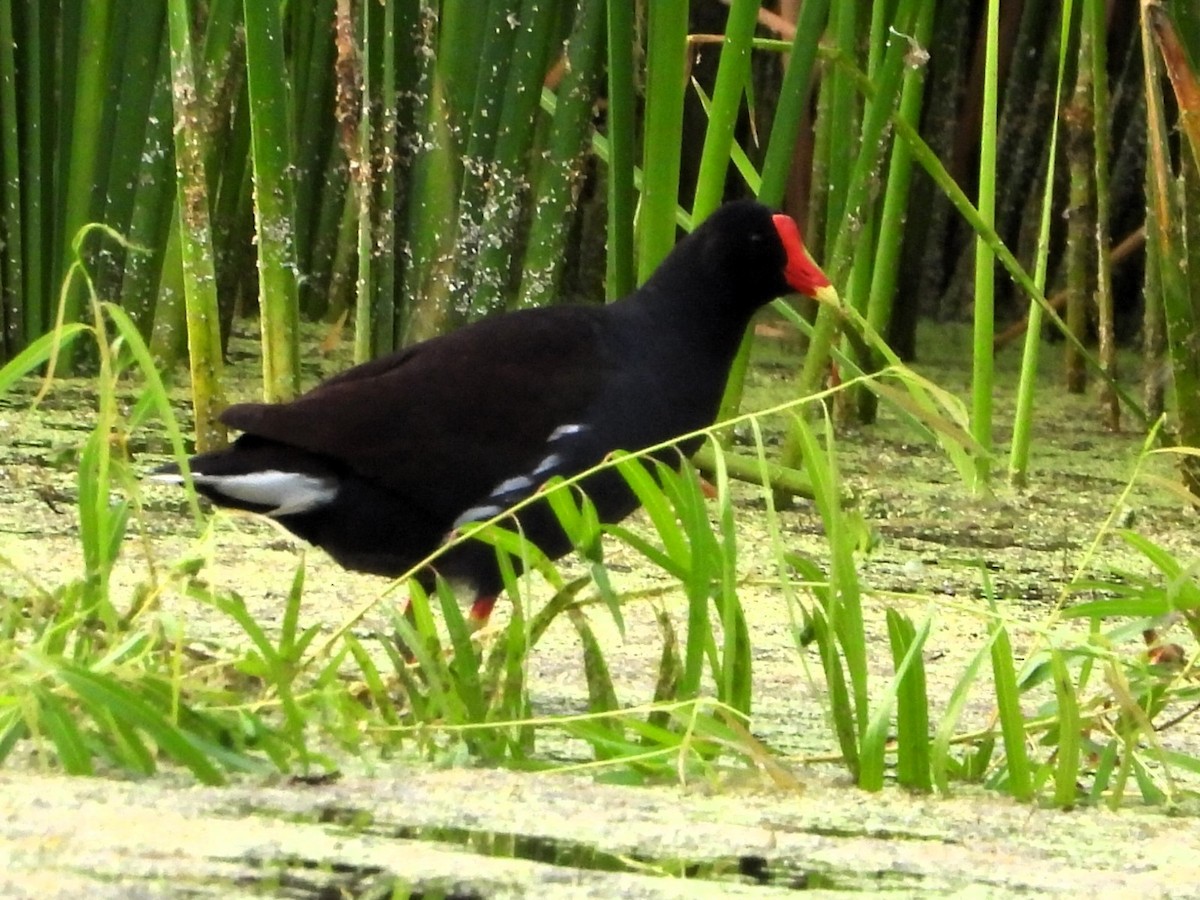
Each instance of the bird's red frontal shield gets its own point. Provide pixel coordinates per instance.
(801, 272)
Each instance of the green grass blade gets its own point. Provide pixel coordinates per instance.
(652, 498)
(1070, 731)
(841, 705)
(737, 655)
(156, 391)
(874, 739)
(377, 690)
(912, 705)
(845, 603)
(38, 352)
(670, 670)
(464, 665)
(58, 724)
(289, 627)
(1106, 765)
(1008, 703)
(419, 636)
(102, 693)
(602, 695)
(940, 751)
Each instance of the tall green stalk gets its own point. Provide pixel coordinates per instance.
(1165, 201)
(199, 276)
(857, 202)
(312, 60)
(1095, 22)
(840, 123)
(142, 31)
(80, 174)
(274, 205)
(35, 212)
(982, 360)
(885, 268)
(561, 171)
(1018, 464)
(496, 52)
(1080, 215)
(733, 71)
(508, 187)
(622, 197)
(15, 333)
(356, 70)
(222, 79)
(793, 101)
(152, 212)
(383, 241)
(666, 60)
(447, 84)
(777, 160)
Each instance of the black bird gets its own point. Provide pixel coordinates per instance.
(379, 464)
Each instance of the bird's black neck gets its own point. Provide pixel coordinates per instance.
(700, 305)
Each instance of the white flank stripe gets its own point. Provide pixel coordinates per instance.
(564, 430)
(518, 484)
(288, 493)
(547, 465)
(510, 485)
(476, 514)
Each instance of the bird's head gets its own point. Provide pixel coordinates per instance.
(756, 255)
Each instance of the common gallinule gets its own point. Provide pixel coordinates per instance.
(380, 463)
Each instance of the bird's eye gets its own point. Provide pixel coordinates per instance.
(756, 237)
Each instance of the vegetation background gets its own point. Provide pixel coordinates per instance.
(395, 169)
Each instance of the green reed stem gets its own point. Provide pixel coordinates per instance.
(666, 60)
(777, 161)
(85, 117)
(1023, 417)
(733, 70)
(982, 379)
(560, 172)
(13, 306)
(622, 134)
(199, 277)
(274, 204)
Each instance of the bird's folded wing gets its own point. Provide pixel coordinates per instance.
(450, 421)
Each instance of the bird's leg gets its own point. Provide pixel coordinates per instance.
(480, 611)
(477, 618)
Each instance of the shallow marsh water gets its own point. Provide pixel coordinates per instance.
(932, 538)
